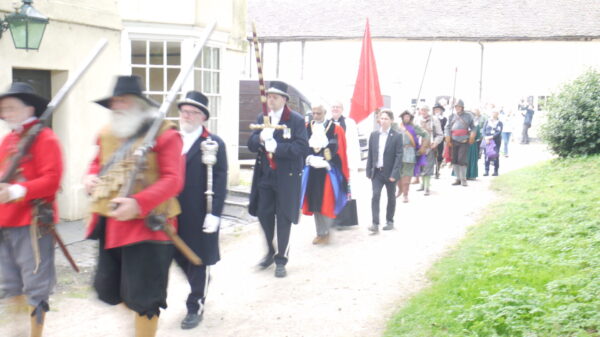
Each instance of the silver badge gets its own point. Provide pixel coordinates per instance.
(287, 133)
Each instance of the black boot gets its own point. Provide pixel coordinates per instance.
(487, 173)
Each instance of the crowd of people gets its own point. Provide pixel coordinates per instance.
(171, 209)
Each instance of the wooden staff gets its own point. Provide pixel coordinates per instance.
(261, 86)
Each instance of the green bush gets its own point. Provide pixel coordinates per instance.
(573, 125)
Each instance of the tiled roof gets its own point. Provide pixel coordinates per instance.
(426, 19)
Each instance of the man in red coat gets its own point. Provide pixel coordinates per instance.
(134, 260)
(27, 272)
(325, 178)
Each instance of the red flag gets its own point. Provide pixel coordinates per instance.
(367, 96)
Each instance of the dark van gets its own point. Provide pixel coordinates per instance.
(250, 107)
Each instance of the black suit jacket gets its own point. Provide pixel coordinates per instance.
(193, 200)
(392, 155)
(289, 157)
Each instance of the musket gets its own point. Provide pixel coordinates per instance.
(42, 216)
(261, 85)
(139, 155)
(423, 77)
(449, 138)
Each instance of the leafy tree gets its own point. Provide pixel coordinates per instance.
(573, 124)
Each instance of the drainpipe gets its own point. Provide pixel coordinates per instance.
(480, 72)
(302, 60)
(277, 67)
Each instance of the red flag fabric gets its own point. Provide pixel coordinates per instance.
(367, 95)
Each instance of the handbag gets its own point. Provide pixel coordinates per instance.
(349, 215)
(490, 150)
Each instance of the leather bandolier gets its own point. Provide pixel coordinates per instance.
(111, 182)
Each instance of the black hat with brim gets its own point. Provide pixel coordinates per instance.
(25, 93)
(279, 88)
(439, 106)
(197, 99)
(127, 85)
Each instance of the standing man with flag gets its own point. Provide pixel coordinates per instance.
(275, 192)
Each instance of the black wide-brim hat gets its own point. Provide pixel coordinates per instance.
(127, 85)
(279, 88)
(197, 99)
(438, 106)
(25, 93)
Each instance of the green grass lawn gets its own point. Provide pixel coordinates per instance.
(530, 268)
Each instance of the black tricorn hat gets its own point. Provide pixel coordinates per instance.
(25, 93)
(127, 85)
(279, 88)
(197, 99)
(438, 106)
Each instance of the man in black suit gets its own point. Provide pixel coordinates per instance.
(383, 167)
(275, 192)
(198, 226)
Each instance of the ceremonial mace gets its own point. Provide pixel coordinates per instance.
(209, 158)
(263, 96)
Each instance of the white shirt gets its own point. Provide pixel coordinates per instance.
(383, 136)
(276, 116)
(190, 138)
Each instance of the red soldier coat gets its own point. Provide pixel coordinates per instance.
(41, 172)
(169, 184)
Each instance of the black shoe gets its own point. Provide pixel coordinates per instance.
(495, 174)
(374, 229)
(266, 261)
(191, 320)
(456, 182)
(486, 174)
(388, 227)
(420, 189)
(280, 271)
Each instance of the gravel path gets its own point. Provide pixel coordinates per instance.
(349, 288)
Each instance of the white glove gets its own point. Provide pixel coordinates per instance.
(307, 160)
(267, 134)
(211, 223)
(319, 162)
(271, 145)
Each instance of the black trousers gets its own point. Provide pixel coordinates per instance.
(198, 278)
(267, 213)
(378, 182)
(137, 275)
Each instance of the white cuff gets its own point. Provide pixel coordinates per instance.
(16, 191)
(211, 223)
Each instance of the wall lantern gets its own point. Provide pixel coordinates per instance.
(26, 26)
